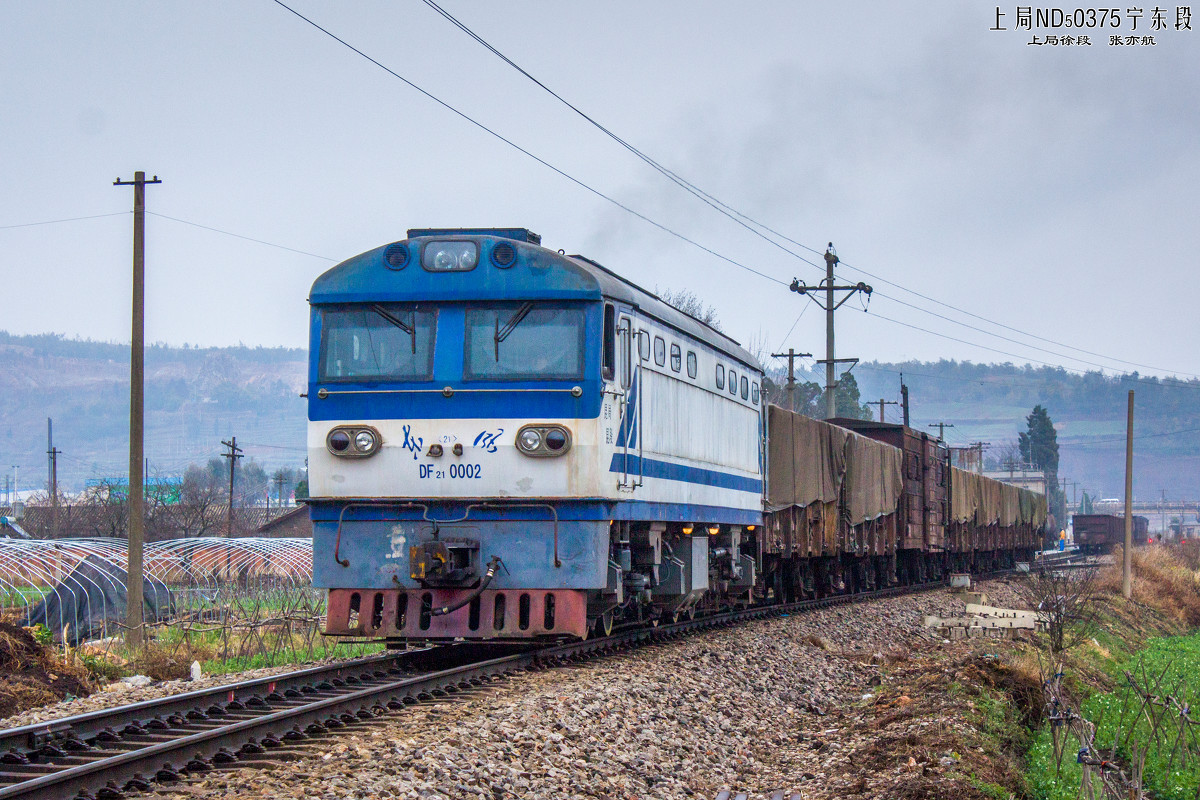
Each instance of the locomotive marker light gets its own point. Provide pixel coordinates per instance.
(543, 440)
(353, 442)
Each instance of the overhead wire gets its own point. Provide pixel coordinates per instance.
(753, 225)
(557, 170)
(240, 236)
(65, 219)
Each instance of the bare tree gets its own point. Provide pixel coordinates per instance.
(108, 503)
(1008, 455)
(201, 505)
(1065, 600)
(686, 301)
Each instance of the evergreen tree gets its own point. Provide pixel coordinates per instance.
(846, 399)
(1039, 447)
(1039, 443)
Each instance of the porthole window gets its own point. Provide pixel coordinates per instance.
(754, 393)
(676, 358)
(644, 345)
(733, 383)
(660, 351)
(745, 388)
(720, 376)
(691, 364)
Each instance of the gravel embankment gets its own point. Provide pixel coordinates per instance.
(119, 694)
(759, 707)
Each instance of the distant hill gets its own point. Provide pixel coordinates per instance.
(989, 402)
(195, 397)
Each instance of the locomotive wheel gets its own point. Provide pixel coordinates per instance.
(604, 624)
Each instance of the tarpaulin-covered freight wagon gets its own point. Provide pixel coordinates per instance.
(923, 505)
(832, 498)
(988, 517)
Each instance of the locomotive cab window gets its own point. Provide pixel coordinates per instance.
(524, 341)
(754, 393)
(691, 361)
(377, 342)
(733, 383)
(660, 351)
(625, 332)
(720, 376)
(643, 338)
(745, 388)
(676, 358)
(610, 341)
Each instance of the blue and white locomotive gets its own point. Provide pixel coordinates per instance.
(508, 442)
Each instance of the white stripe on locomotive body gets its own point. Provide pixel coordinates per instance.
(690, 418)
(684, 422)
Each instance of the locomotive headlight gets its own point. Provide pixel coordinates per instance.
(364, 441)
(353, 441)
(529, 440)
(543, 440)
(450, 256)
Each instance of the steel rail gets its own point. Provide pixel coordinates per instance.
(261, 720)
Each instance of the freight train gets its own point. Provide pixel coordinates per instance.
(508, 442)
(1098, 534)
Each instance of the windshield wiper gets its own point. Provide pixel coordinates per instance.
(513, 322)
(411, 330)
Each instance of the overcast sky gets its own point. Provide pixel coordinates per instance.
(1048, 188)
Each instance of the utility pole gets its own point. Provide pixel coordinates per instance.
(1065, 484)
(941, 426)
(279, 490)
(233, 455)
(904, 398)
(1127, 566)
(52, 479)
(977, 447)
(831, 305)
(1162, 509)
(881, 403)
(791, 355)
(137, 521)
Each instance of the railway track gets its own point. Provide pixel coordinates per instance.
(110, 754)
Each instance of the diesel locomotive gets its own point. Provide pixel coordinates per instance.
(509, 442)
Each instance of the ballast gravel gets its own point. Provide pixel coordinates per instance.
(120, 694)
(755, 708)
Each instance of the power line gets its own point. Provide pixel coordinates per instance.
(1160, 382)
(463, 115)
(747, 222)
(240, 236)
(1020, 343)
(66, 219)
(1093, 442)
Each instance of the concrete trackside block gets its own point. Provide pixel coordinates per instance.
(960, 580)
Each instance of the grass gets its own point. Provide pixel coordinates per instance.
(1152, 636)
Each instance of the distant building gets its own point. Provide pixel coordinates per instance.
(294, 523)
(1031, 479)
